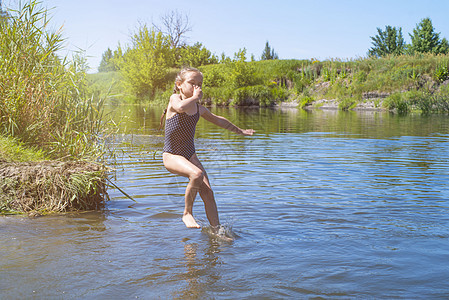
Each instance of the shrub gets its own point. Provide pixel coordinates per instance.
(305, 101)
(397, 102)
(441, 73)
(347, 103)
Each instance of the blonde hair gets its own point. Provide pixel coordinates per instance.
(181, 76)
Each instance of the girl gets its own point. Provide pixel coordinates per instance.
(183, 113)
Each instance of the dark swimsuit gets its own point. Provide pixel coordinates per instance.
(180, 133)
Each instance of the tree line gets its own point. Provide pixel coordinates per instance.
(424, 39)
(157, 50)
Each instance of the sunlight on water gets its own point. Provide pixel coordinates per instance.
(316, 204)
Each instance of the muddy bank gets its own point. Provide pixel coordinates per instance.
(49, 186)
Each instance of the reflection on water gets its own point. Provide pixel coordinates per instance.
(322, 204)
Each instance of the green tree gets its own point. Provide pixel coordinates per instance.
(195, 56)
(110, 61)
(106, 63)
(426, 40)
(146, 64)
(224, 59)
(387, 42)
(241, 72)
(268, 53)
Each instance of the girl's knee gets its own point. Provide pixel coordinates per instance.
(197, 177)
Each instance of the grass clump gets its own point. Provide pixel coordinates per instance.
(42, 187)
(13, 150)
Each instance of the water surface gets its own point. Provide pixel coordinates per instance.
(322, 204)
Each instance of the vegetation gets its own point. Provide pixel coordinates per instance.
(13, 150)
(388, 42)
(149, 66)
(267, 82)
(44, 100)
(45, 107)
(269, 53)
(51, 187)
(426, 40)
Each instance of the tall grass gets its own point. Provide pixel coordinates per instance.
(43, 99)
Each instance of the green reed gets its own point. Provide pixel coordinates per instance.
(43, 97)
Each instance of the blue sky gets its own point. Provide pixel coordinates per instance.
(298, 29)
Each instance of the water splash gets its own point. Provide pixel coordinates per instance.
(222, 233)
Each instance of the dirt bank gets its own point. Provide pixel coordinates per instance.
(49, 186)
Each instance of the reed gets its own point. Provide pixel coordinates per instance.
(43, 98)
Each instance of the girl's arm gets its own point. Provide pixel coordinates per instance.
(178, 105)
(223, 122)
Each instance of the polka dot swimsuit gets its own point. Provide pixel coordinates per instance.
(180, 133)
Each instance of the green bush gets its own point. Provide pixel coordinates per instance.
(397, 102)
(305, 100)
(347, 103)
(441, 73)
(253, 95)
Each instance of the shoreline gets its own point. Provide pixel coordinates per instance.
(333, 104)
(44, 187)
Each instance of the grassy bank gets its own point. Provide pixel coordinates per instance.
(400, 83)
(46, 112)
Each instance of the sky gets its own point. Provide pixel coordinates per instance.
(295, 29)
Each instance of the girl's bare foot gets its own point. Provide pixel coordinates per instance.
(190, 222)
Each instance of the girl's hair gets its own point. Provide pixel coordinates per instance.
(180, 77)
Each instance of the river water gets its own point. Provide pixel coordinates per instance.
(322, 204)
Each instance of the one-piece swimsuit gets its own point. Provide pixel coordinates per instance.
(180, 134)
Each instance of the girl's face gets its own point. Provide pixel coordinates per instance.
(191, 80)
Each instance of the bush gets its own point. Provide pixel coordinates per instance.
(253, 95)
(347, 103)
(441, 73)
(305, 100)
(397, 102)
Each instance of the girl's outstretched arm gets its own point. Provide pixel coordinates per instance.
(223, 122)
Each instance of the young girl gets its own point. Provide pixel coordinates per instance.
(183, 113)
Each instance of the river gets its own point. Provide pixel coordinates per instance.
(322, 204)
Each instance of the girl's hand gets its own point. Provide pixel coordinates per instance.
(248, 131)
(197, 92)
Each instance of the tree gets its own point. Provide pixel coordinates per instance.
(106, 62)
(268, 53)
(146, 65)
(426, 40)
(175, 25)
(387, 42)
(195, 56)
(241, 72)
(110, 61)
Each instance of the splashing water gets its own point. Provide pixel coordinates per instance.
(222, 233)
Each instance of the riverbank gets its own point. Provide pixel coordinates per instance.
(396, 83)
(334, 104)
(31, 184)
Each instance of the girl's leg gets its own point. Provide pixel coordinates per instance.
(181, 166)
(207, 195)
